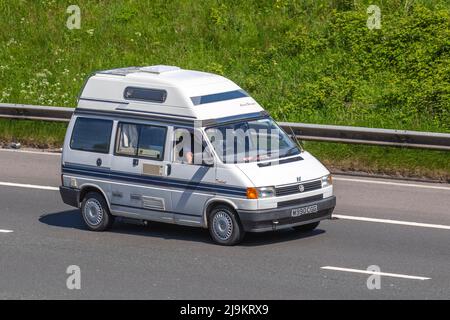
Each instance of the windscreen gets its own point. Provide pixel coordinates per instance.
(251, 140)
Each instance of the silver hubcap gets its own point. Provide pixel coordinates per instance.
(222, 225)
(93, 212)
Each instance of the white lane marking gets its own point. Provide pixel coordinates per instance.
(29, 186)
(32, 152)
(424, 186)
(5, 231)
(395, 275)
(405, 223)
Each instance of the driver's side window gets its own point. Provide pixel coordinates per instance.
(183, 146)
(188, 147)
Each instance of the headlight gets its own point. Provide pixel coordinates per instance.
(327, 181)
(263, 192)
(266, 192)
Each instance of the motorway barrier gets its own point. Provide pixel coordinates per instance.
(302, 131)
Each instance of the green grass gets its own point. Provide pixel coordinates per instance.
(35, 134)
(305, 61)
(391, 161)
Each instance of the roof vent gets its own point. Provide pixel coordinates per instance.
(159, 69)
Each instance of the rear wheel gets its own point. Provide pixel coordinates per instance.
(95, 212)
(224, 226)
(306, 227)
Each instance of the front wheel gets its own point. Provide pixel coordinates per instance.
(224, 227)
(95, 212)
(306, 227)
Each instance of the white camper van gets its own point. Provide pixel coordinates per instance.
(164, 144)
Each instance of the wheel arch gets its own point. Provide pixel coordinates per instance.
(211, 203)
(89, 187)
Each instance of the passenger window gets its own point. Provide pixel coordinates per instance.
(151, 142)
(141, 140)
(185, 146)
(93, 135)
(128, 139)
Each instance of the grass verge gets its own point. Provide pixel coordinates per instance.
(397, 162)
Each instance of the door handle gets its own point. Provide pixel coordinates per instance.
(135, 162)
(169, 169)
(99, 162)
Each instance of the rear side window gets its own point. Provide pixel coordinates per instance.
(93, 135)
(141, 140)
(151, 142)
(145, 94)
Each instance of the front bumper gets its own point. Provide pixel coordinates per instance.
(280, 218)
(70, 196)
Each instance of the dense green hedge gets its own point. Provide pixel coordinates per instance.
(309, 61)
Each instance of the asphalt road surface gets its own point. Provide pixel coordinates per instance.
(400, 227)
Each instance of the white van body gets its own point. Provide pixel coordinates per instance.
(148, 184)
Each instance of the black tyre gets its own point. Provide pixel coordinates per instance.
(306, 227)
(95, 212)
(224, 226)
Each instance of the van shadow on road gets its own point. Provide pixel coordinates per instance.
(72, 219)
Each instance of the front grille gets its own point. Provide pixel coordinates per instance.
(295, 188)
(294, 202)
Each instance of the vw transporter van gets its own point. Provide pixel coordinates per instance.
(164, 144)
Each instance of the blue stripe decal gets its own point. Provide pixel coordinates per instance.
(157, 181)
(70, 165)
(94, 169)
(152, 180)
(221, 96)
(156, 210)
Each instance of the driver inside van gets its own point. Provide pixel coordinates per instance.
(189, 147)
(184, 149)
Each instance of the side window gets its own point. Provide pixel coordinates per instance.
(151, 142)
(141, 140)
(186, 145)
(93, 135)
(145, 94)
(127, 139)
(183, 146)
